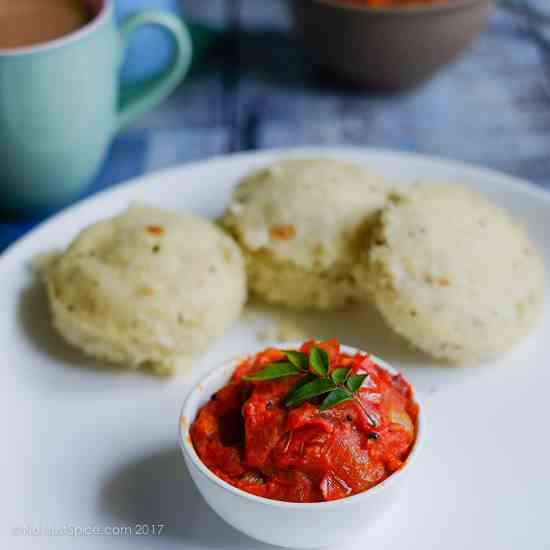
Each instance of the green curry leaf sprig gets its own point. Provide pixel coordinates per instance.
(336, 386)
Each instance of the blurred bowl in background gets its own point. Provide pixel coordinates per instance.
(388, 48)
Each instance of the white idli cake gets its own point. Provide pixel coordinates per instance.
(453, 273)
(299, 223)
(146, 287)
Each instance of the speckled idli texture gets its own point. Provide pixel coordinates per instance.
(300, 223)
(146, 288)
(452, 273)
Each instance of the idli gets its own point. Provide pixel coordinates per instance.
(146, 288)
(453, 273)
(300, 223)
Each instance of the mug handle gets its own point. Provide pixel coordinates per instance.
(136, 99)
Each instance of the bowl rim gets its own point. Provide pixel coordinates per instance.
(437, 6)
(188, 450)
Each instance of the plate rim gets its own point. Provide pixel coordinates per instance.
(501, 178)
(12, 262)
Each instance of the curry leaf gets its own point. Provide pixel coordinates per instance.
(297, 358)
(319, 361)
(337, 387)
(355, 382)
(302, 382)
(273, 371)
(339, 375)
(319, 386)
(334, 397)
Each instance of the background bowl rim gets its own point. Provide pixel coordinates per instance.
(437, 6)
(188, 449)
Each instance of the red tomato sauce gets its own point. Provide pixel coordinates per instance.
(247, 437)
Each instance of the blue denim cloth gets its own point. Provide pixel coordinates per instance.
(537, 16)
(259, 90)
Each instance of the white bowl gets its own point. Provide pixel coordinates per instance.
(289, 524)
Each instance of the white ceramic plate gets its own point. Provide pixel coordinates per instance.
(94, 450)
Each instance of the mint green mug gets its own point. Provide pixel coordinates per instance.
(61, 103)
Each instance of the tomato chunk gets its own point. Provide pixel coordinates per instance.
(247, 435)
